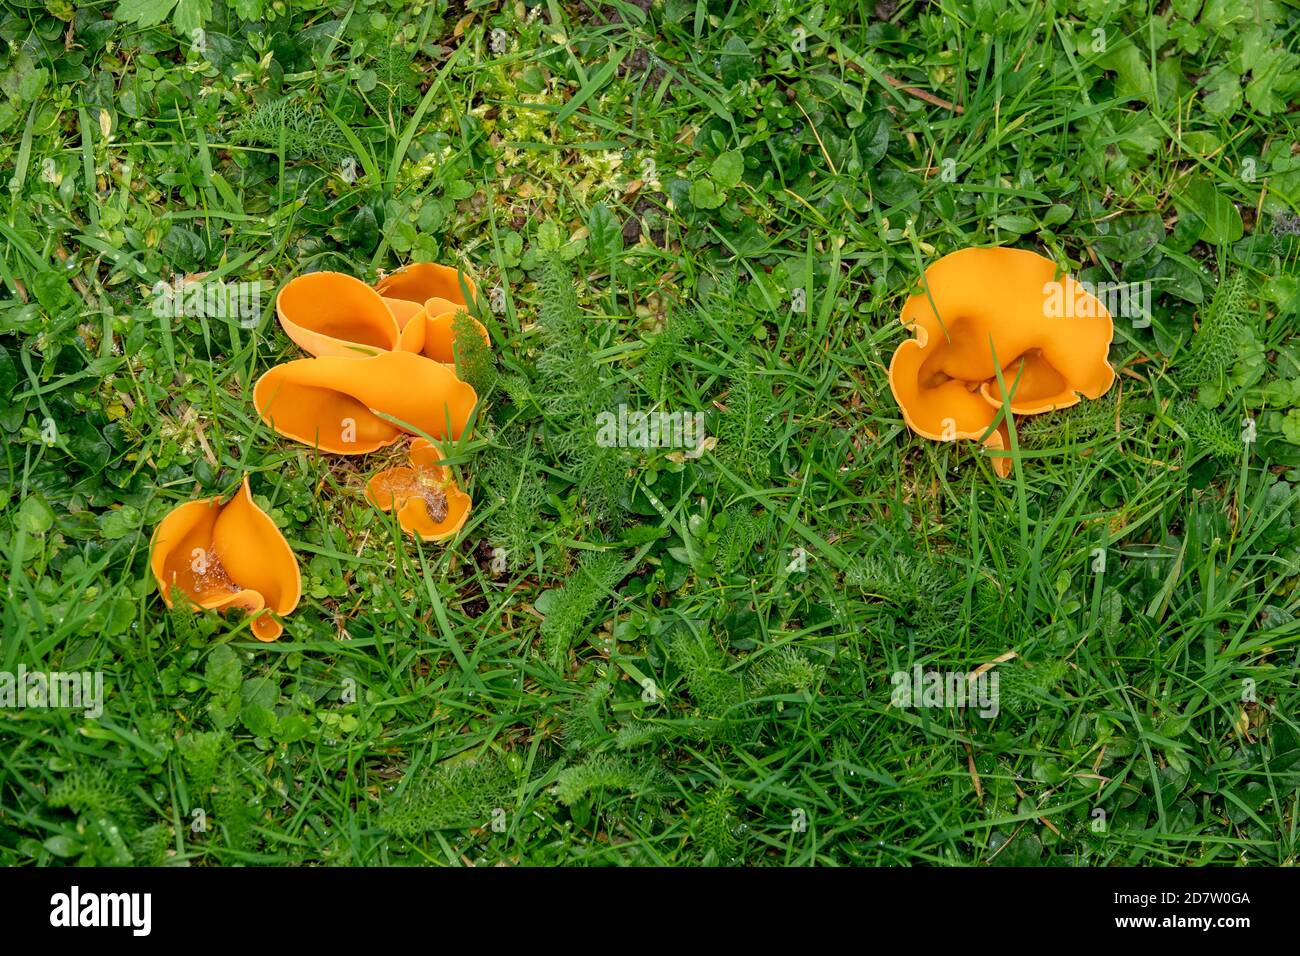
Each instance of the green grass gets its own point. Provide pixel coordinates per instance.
(671, 660)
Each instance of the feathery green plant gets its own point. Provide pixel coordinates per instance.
(666, 349)
(565, 361)
(474, 361)
(584, 725)
(233, 806)
(1214, 347)
(149, 846)
(454, 793)
(640, 733)
(735, 545)
(716, 826)
(396, 86)
(509, 478)
(91, 790)
(611, 775)
(717, 692)
(788, 671)
(185, 624)
(113, 816)
(1078, 423)
(589, 585)
(298, 124)
(201, 753)
(601, 472)
(747, 430)
(925, 593)
(577, 390)
(520, 391)
(1021, 688)
(1206, 431)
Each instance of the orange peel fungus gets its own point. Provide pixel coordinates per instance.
(428, 502)
(330, 314)
(223, 556)
(381, 353)
(982, 311)
(335, 404)
(429, 295)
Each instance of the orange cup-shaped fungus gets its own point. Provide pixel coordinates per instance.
(332, 314)
(422, 281)
(437, 289)
(411, 322)
(439, 334)
(227, 556)
(335, 404)
(985, 311)
(428, 502)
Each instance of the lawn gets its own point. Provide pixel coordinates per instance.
(639, 649)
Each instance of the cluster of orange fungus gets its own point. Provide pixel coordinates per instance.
(428, 502)
(384, 360)
(413, 310)
(981, 312)
(224, 556)
(382, 367)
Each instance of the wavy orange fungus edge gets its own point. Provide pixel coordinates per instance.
(223, 556)
(333, 315)
(417, 492)
(995, 302)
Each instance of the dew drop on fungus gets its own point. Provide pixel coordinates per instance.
(213, 579)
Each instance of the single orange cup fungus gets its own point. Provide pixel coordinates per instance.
(428, 502)
(227, 556)
(332, 314)
(439, 295)
(335, 404)
(981, 311)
